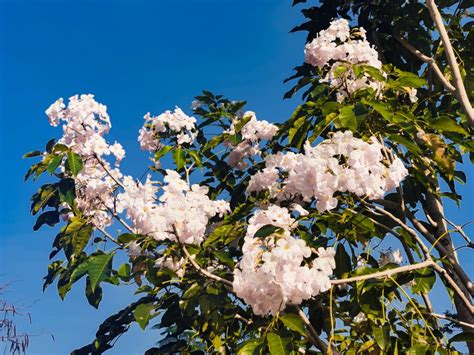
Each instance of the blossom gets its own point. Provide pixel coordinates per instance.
(335, 50)
(167, 125)
(181, 213)
(85, 124)
(275, 271)
(341, 163)
(252, 133)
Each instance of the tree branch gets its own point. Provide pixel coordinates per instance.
(385, 273)
(202, 271)
(461, 323)
(461, 93)
(455, 287)
(313, 334)
(431, 62)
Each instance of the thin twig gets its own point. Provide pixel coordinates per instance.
(109, 172)
(108, 236)
(442, 316)
(202, 271)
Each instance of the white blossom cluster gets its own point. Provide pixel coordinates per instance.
(342, 163)
(182, 211)
(275, 271)
(176, 123)
(85, 124)
(334, 48)
(252, 132)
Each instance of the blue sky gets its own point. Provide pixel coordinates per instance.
(135, 56)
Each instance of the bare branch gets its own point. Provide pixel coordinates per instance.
(431, 62)
(461, 323)
(108, 236)
(455, 287)
(385, 273)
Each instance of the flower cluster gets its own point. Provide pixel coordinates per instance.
(275, 270)
(342, 163)
(175, 123)
(336, 49)
(252, 132)
(182, 211)
(85, 124)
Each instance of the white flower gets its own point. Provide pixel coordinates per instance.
(273, 271)
(333, 49)
(252, 132)
(85, 124)
(319, 173)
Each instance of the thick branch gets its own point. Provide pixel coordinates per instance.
(461, 93)
(455, 287)
(313, 334)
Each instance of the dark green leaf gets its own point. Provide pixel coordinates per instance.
(266, 230)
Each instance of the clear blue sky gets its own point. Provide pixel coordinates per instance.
(135, 56)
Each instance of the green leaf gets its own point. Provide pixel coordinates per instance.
(250, 347)
(34, 153)
(80, 238)
(423, 281)
(445, 123)
(99, 268)
(73, 163)
(93, 296)
(143, 314)
(266, 230)
(179, 158)
(195, 156)
(54, 163)
(275, 344)
(382, 336)
(293, 322)
(127, 238)
(347, 118)
(162, 152)
(411, 80)
(382, 110)
(191, 291)
(418, 349)
(124, 270)
(50, 218)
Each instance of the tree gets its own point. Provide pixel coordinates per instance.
(13, 341)
(266, 238)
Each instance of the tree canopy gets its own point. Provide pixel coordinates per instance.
(245, 236)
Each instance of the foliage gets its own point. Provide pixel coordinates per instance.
(186, 288)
